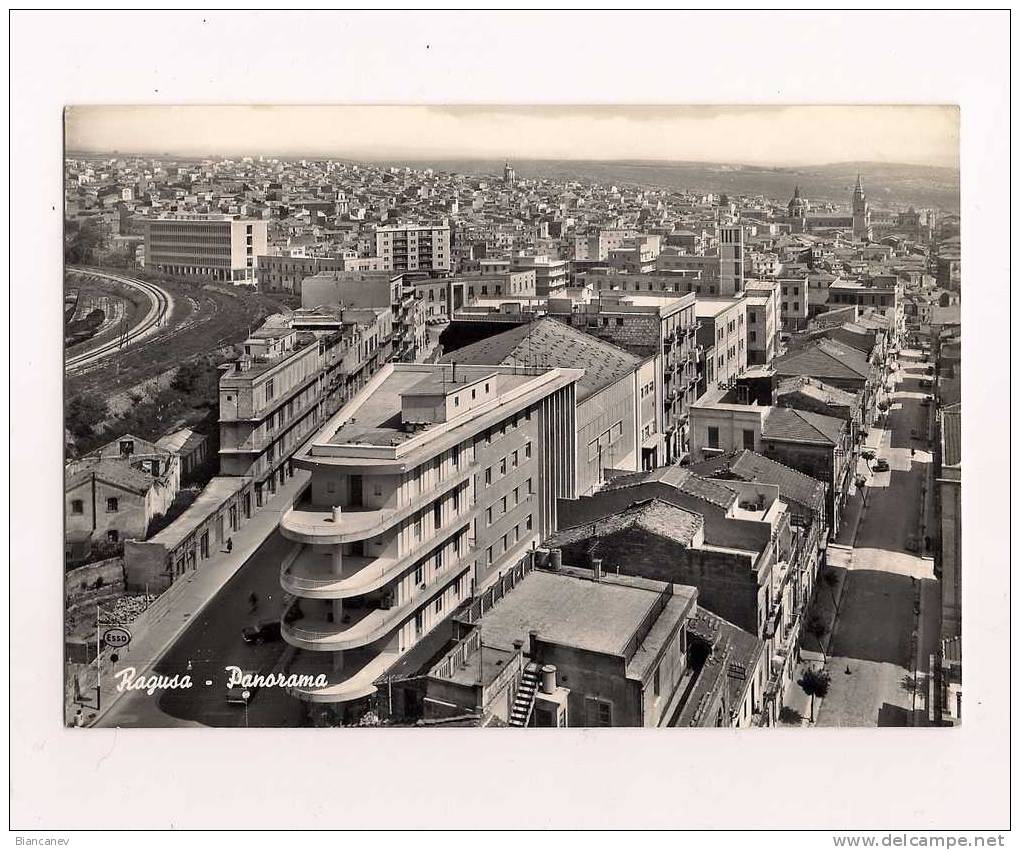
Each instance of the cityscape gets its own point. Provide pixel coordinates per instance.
(477, 443)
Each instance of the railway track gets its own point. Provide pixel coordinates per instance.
(160, 309)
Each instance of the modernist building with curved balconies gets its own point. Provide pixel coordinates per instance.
(424, 487)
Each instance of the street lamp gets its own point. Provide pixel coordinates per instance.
(245, 695)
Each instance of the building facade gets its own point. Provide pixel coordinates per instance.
(423, 488)
(414, 248)
(218, 247)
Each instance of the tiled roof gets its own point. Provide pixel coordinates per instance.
(746, 465)
(114, 472)
(816, 389)
(951, 435)
(784, 423)
(552, 343)
(824, 359)
(683, 479)
(656, 516)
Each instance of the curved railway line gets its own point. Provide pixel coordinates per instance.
(160, 309)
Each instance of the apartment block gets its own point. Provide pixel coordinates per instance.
(295, 372)
(427, 485)
(722, 341)
(414, 247)
(648, 326)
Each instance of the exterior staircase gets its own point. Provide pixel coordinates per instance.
(524, 700)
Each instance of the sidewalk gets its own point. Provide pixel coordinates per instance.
(175, 608)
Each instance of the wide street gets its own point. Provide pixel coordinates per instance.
(211, 643)
(873, 658)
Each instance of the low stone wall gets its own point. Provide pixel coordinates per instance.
(88, 586)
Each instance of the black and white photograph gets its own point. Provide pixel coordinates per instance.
(525, 443)
(408, 403)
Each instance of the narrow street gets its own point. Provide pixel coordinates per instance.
(212, 642)
(878, 665)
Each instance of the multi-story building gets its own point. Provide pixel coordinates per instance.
(218, 247)
(731, 260)
(618, 415)
(722, 340)
(823, 447)
(550, 273)
(648, 326)
(294, 373)
(425, 487)
(374, 289)
(414, 247)
(793, 303)
(761, 333)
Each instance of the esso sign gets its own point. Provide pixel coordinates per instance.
(117, 637)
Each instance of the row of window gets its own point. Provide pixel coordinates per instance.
(508, 463)
(508, 502)
(509, 425)
(510, 539)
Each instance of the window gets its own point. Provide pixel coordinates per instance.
(112, 536)
(270, 389)
(713, 437)
(456, 500)
(754, 318)
(417, 528)
(503, 504)
(527, 451)
(619, 323)
(112, 506)
(439, 604)
(516, 459)
(439, 559)
(753, 336)
(77, 507)
(748, 439)
(488, 476)
(488, 555)
(419, 575)
(528, 523)
(437, 515)
(502, 467)
(488, 515)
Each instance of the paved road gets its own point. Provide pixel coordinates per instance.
(872, 634)
(210, 644)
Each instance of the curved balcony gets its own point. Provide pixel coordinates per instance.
(308, 524)
(361, 626)
(311, 575)
(305, 523)
(356, 681)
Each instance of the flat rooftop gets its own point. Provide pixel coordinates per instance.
(595, 616)
(709, 307)
(377, 420)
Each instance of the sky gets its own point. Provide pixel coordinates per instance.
(751, 135)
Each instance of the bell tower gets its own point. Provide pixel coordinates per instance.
(861, 213)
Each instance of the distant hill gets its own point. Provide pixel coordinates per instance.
(886, 184)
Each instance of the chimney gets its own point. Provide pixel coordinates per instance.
(555, 559)
(336, 514)
(596, 567)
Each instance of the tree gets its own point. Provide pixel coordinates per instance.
(814, 683)
(83, 414)
(817, 628)
(83, 241)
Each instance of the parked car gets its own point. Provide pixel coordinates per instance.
(265, 631)
(881, 465)
(235, 693)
